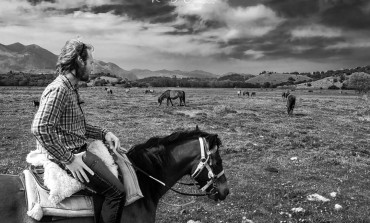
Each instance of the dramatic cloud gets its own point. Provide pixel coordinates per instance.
(220, 35)
(238, 22)
(315, 31)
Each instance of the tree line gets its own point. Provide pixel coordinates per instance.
(359, 81)
(195, 83)
(25, 79)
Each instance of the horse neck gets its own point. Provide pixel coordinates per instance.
(162, 96)
(182, 159)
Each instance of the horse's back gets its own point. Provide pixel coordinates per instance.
(13, 203)
(13, 206)
(291, 99)
(175, 94)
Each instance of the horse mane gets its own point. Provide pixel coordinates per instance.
(163, 94)
(153, 155)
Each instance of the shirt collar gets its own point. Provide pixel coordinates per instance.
(67, 82)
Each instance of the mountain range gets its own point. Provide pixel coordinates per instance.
(31, 58)
(140, 73)
(35, 59)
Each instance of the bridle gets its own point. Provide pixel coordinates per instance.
(203, 164)
(206, 163)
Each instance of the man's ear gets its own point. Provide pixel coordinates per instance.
(79, 61)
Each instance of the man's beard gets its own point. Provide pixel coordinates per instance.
(81, 74)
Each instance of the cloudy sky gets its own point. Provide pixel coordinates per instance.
(218, 36)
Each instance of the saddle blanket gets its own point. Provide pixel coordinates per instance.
(57, 202)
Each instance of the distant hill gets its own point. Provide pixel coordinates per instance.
(144, 73)
(277, 78)
(324, 83)
(100, 66)
(31, 58)
(35, 59)
(231, 76)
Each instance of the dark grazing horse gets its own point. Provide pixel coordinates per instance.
(253, 94)
(167, 159)
(290, 104)
(36, 103)
(172, 94)
(149, 91)
(108, 90)
(246, 93)
(285, 94)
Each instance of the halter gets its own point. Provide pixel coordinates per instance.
(204, 150)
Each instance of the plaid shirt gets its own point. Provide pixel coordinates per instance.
(59, 124)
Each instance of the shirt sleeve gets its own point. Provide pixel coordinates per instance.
(95, 132)
(52, 104)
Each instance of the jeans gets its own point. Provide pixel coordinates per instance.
(107, 185)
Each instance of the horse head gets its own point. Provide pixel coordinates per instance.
(209, 172)
(170, 158)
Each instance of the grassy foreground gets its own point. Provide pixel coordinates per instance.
(272, 161)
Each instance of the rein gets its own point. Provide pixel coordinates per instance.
(203, 163)
(169, 188)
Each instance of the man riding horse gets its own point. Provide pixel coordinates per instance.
(62, 132)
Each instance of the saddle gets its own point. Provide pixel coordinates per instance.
(78, 205)
(81, 203)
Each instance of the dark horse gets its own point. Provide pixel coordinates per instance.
(290, 104)
(172, 94)
(246, 93)
(166, 158)
(285, 94)
(108, 90)
(36, 103)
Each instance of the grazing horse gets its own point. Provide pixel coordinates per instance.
(109, 91)
(167, 159)
(253, 94)
(149, 91)
(290, 104)
(285, 94)
(36, 103)
(246, 93)
(172, 94)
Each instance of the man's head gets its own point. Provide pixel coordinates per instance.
(76, 58)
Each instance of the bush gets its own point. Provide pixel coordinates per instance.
(333, 87)
(360, 81)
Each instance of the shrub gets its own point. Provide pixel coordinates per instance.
(333, 87)
(360, 81)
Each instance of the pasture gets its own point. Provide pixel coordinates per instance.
(272, 161)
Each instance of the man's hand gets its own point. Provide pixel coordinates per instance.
(78, 167)
(112, 141)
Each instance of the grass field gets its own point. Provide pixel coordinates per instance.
(272, 161)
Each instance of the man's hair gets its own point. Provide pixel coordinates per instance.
(73, 56)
